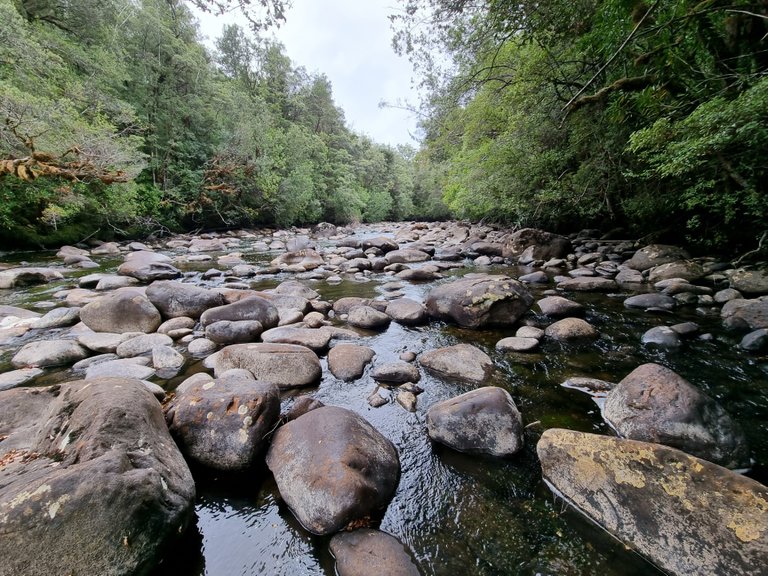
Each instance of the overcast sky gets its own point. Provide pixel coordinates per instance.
(350, 41)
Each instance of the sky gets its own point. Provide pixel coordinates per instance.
(350, 41)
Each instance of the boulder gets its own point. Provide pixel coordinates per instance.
(654, 255)
(287, 365)
(588, 284)
(47, 353)
(201, 347)
(368, 318)
(381, 242)
(313, 338)
(368, 551)
(295, 288)
(58, 318)
(396, 373)
(176, 299)
(460, 362)
(571, 329)
(662, 336)
(106, 490)
(142, 344)
(122, 311)
(559, 307)
(654, 404)
(307, 259)
(516, 344)
(685, 515)
(224, 424)
(405, 256)
(249, 308)
(348, 361)
(480, 302)
(234, 332)
(685, 269)
(650, 300)
(19, 277)
(103, 342)
(753, 282)
(148, 266)
(538, 244)
(406, 311)
(756, 341)
(744, 314)
(166, 359)
(482, 421)
(14, 378)
(344, 305)
(333, 468)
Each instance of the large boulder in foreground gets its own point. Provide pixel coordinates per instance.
(332, 468)
(654, 404)
(482, 421)
(287, 365)
(367, 551)
(121, 311)
(480, 301)
(223, 424)
(91, 481)
(685, 515)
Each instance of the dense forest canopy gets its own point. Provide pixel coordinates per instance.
(652, 116)
(570, 113)
(115, 117)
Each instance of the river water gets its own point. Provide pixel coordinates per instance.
(458, 514)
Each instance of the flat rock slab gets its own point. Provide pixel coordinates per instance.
(148, 266)
(685, 515)
(654, 404)
(348, 361)
(516, 344)
(123, 368)
(314, 339)
(15, 378)
(332, 468)
(18, 277)
(249, 308)
(368, 551)
(462, 362)
(482, 421)
(559, 307)
(45, 353)
(91, 481)
(286, 365)
(588, 284)
(480, 302)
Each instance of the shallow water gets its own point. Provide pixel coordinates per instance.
(458, 514)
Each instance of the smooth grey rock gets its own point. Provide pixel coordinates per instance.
(745, 314)
(530, 244)
(593, 386)
(48, 353)
(537, 277)
(108, 490)
(396, 373)
(314, 339)
(559, 307)
(250, 308)
(480, 301)
(142, 344)
(58, 318)
(19, 277)
(166, 358)
(123, 311)
(662, 336)
(462, 362)
(111, 282)
(14, 378)
(224, 424)
(287, 365)
(659, 502)
(174, 325)
(655, 255)
(482, 421)
(103, 342)
(723, 296)
(348, 361)
(367, 551)
(123, 368)
(650, 300)
(571, 329)
(756, 341)
(306, 259)
(515, 344)
(405, 256)
(148, 266)
(234, 332)
(176, 299)
(530, 332)
(685, 269)
(332, 468)
(654, 404)
(752, 282)
(587, 284)
(368, 318)
(201, 347)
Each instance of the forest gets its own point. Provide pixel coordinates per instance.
(651, 117)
